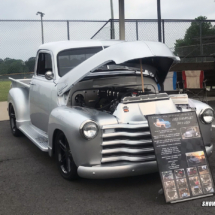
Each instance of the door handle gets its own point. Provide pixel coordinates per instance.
(31, 83)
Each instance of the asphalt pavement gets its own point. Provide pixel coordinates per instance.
(30, 184)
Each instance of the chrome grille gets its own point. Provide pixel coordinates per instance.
(125, 142)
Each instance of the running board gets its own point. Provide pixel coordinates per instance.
(38, 137)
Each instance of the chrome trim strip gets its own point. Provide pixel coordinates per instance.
(127, 158)
(132, 151)
(127, 134)
(144, 100)
(129, 126)
(127, 142)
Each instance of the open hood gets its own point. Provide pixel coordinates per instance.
(155, 54)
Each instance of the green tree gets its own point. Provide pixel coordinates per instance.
(9, 66)
(30, 64)
(192, 35)
(16, 66)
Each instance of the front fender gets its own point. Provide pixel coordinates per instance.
(205, 128)
(69, 120)
(19, 98)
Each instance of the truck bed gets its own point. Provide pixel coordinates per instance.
(20, 82)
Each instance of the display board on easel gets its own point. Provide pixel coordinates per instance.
(181, 156)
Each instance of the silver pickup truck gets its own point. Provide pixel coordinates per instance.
(87, 105)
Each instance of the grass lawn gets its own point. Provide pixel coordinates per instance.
(4, 88)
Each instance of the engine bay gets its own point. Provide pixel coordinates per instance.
(106, 99)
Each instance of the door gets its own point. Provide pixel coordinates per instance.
(41, 90)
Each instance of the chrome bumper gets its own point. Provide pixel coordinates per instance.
(102, 172)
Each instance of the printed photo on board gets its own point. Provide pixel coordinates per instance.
(192, 171)
(169, 184)
(203, 169)
(184, 192)
(190, 132)
(208, 188)
(161, 123)
(195, 158)
(195, 185)
(179, 173)
(182, 183)
(171, 195)
(167, 175)
(205, 179)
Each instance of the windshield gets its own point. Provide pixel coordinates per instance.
(69, 59)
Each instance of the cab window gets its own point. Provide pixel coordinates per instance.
(44, 64)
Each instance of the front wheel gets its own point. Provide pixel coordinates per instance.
(15, 131)
(65, 163)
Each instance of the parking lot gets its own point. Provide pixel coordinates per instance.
(30, 184)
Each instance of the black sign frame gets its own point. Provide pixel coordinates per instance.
(181, 156)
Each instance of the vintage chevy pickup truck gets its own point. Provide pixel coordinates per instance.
(87, 105)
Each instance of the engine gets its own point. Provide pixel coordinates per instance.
(109, 99)
(105, 99)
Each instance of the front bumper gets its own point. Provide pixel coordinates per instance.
(102, 172)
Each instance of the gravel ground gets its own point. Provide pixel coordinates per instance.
(30, 184)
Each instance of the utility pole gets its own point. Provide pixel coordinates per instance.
(121, 20)
(112, 20)
(41, 15)
(159, 20)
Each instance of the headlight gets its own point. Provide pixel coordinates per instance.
(207, 116)
(89, 130)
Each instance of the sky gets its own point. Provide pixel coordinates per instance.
(21, 40)
(100, 9)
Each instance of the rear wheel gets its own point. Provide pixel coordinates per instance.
(15, 131)
(65, 163)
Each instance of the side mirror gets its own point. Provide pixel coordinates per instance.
(49, 75)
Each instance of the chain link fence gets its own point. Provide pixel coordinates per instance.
(134, 30)
(192, 40)
(16, 76)
(20, 39)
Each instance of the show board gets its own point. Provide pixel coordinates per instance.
(181, 156)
